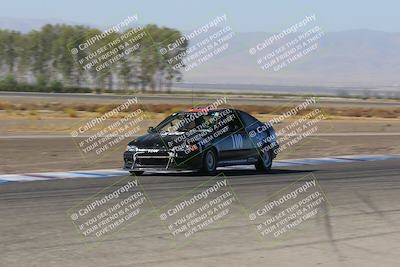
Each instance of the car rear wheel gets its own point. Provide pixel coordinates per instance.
(264, 162)
(137, 173)
(210, 162)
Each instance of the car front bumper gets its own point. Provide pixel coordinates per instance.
(161, 160)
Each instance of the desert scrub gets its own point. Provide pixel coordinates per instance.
(71, 112)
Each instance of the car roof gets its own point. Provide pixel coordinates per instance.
(194, 110)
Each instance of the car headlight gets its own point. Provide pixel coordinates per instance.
(186, 148)
(131, 148)
(191, 148)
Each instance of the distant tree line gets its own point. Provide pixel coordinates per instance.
(42, 61)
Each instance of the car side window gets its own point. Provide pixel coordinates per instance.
(249, 121)
(235, 125)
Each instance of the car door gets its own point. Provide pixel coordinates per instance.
(250, 126)
(235, 145)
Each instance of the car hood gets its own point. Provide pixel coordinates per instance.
(156, 140)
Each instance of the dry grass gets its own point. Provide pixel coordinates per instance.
(71, 112)
(33, 113)
(72, 109)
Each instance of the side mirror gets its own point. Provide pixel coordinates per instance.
(150, 130)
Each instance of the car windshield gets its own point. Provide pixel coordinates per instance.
(183, 122)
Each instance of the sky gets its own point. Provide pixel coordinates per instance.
(243, 16)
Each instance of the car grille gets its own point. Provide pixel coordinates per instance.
(152, 161)
(147, 158)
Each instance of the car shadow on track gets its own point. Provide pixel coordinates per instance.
(230, 173)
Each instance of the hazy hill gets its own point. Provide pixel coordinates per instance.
(362, 58)
(350, 58)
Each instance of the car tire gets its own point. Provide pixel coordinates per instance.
(264, 162)
(209, 162)
(137, 173)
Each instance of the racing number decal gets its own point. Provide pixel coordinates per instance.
(237, 141)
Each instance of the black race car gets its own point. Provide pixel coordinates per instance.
(202, 140)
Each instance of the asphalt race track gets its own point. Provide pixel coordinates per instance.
(357, 225)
